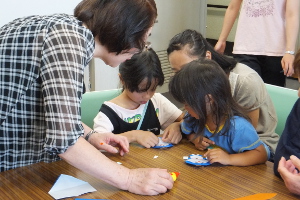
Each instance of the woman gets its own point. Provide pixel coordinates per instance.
(41, 67)
(247, 87)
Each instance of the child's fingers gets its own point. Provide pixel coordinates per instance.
(154, 141)
(212, 158)
(207, 153)
(208, 141)
(205, 144)
(151, 144)
(176, 139)
(212, 155)
(200, 146)
(165, 135)
(149, 141)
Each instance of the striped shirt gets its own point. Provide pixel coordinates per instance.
(42, 59)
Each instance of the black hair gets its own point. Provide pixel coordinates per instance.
(142, 65)
(202, 79)
(197, 46)
(118, 24)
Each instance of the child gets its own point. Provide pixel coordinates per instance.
(140, 76)
(191, 45)
(203, 88)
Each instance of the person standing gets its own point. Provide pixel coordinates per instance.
(41, 85)
(265, 38)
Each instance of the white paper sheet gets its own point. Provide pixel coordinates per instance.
(68, 186)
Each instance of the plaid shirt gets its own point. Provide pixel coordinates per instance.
(42, 59)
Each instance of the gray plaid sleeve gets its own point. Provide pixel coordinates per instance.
(65, 54)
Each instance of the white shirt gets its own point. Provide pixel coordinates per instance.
(166, 111)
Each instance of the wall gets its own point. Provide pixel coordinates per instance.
(12, 9)
(175, 16)
(215, 17)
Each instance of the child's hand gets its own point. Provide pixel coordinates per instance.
(146, 138)
(201, 145)
(172, 133)
(218, 155)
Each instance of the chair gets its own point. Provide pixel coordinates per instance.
(91, 103)
(283, 100)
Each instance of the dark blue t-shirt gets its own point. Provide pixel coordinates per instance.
(289, 142)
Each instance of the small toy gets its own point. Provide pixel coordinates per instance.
(174, 175)
(162, 144)
(197, 160)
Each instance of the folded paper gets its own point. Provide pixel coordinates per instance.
(68, 186)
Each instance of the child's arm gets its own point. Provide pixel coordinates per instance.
(172, 133)
(145, 138)
(247, 158)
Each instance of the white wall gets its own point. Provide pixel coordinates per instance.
(102, 76)
(12, 9)
(175, 16)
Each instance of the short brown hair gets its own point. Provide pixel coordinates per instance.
(297, 63)
(118, 24)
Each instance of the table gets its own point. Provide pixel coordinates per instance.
(210, 182)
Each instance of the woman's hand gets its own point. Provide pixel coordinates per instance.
(287, 63)
(108, 142)
(220, 47)
(149, 181)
